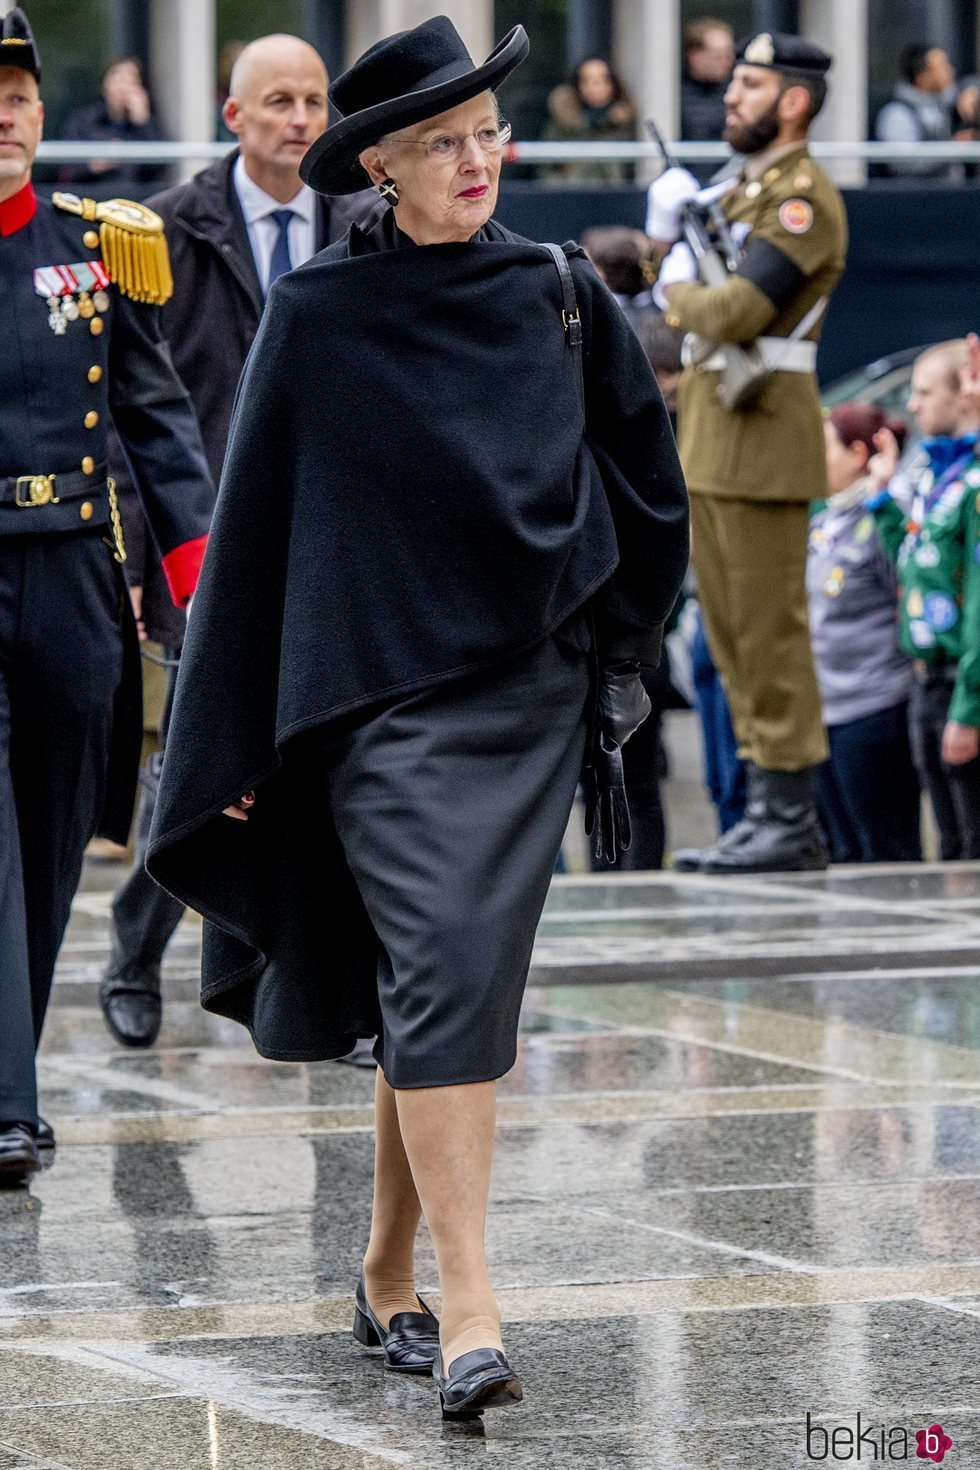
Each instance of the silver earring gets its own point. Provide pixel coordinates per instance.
(388, 190)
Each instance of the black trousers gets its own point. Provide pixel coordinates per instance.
(61, 662)
(868, 792)
(144, 915)
(953, 790)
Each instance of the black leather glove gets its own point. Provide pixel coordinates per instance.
(623, 705)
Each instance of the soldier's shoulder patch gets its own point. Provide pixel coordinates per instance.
(796, 216)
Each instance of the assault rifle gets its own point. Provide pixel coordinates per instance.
(705, 229)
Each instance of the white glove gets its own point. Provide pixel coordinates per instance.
(679, 265)
(665, 199)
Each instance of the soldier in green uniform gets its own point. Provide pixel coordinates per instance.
(752, 470)
(939, 589)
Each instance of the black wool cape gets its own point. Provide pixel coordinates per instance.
(409, 494)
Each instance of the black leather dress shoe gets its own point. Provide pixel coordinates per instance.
(131, 1005)
(482, 1379)
(410, 1342)
(44, 1137)
(19, 1158)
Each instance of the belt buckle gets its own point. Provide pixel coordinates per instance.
(40, 491)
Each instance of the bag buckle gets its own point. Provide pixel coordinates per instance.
(572, 323)
(39, 491)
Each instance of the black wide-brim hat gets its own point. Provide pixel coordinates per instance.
(402, 80)
(17, 44)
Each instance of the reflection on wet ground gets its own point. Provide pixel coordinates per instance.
(738, 1183)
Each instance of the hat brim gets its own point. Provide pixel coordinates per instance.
(331, 165)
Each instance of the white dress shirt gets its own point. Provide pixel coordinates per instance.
(263, 232)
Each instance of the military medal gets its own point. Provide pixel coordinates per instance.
(56, 321)
(72, 291)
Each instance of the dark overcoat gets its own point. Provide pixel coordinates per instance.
(411, 493)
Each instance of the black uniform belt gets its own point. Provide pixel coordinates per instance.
(74, 501)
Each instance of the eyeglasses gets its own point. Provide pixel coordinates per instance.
(449, 147)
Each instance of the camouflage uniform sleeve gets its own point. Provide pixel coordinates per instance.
(795, 237)
(965, 704)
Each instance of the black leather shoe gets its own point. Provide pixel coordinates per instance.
(44, 1137)
(19, 1158)
(482, 1379)
(410, 1342)
(131, 1005)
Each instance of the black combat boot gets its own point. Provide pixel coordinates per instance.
(779, 833)
(690, 859)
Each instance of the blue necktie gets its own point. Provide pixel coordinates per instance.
(280, 262)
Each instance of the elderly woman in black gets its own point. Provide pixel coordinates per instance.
(450, 527)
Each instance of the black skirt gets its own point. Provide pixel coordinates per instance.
(451, 806)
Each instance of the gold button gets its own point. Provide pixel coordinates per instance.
(95, 326)
(90, 239)
(673, 321)
(753, 190)
(94, 373)
(91, 419)
(88, 465)
(86, 510)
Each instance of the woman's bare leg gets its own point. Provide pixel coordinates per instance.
(389, 1262)
(448, 1134)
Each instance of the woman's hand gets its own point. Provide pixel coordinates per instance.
(882, 466)
(241, 808)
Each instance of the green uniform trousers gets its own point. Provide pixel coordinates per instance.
(750, 561)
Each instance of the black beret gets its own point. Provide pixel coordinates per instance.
(782, 53)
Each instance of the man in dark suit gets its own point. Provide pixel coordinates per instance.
(232, 231)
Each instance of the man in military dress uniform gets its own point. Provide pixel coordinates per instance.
(80, 289)
(753, 470)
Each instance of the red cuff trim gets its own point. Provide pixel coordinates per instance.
(18, 210)
(182, 567)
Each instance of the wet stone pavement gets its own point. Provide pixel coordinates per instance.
(737, 1185)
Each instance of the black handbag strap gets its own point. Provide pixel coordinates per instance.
(571, 318)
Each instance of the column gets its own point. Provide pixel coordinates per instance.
(129, 30)
(182, 50)
(324, 25)
(589, 30)
(647, 55)
(841, 27)
(369, 20)
(776, 15)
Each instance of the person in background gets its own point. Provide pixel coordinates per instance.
(623, 259)
(922, 110)
(709, 58)
(123, 114)
(939, 588)
(233, 229)
(752, 469)
(593, 106)
(867, 791)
